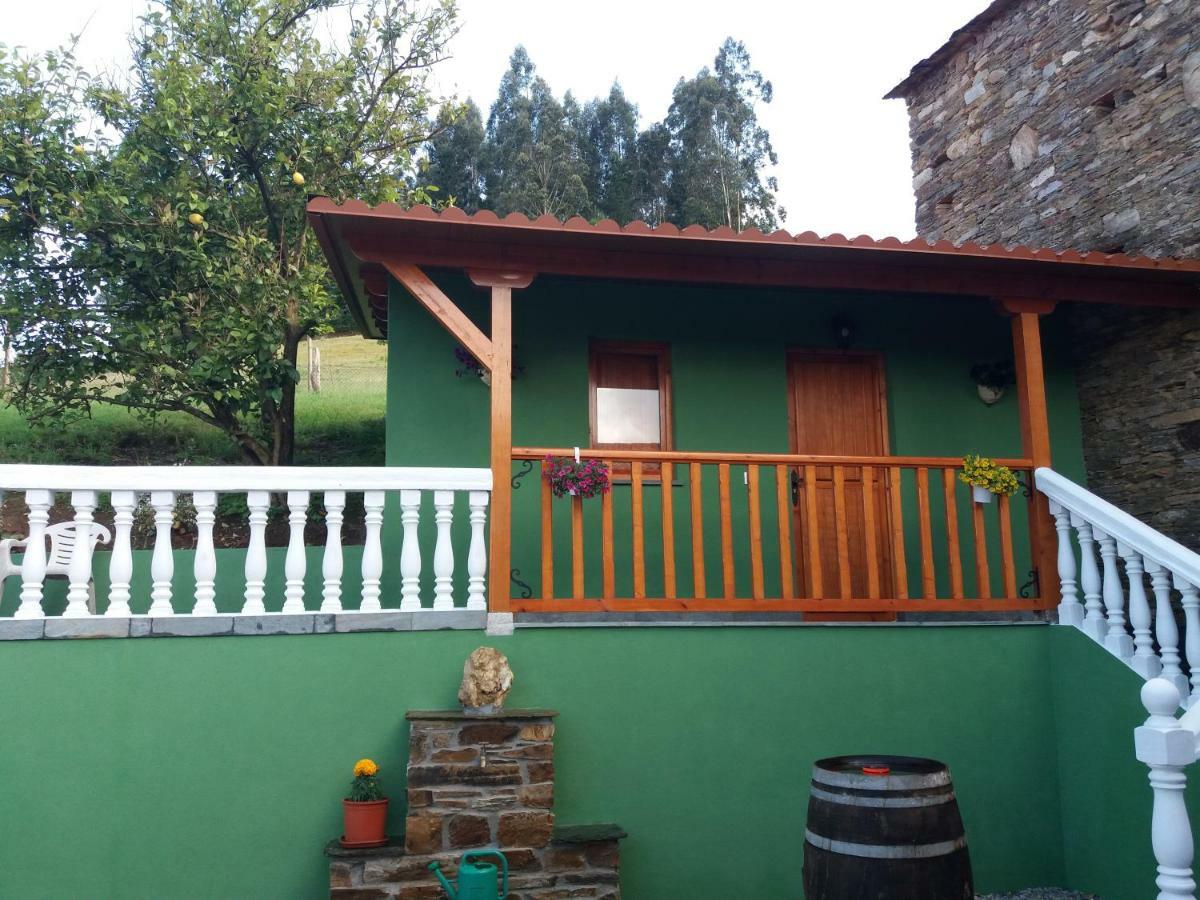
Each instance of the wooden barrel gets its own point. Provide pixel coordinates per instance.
(884, 828)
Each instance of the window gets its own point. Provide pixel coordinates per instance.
(630, 395)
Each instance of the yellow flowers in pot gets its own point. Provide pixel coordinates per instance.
(987, 477)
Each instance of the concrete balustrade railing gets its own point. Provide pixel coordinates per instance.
(163, 486)
(1121, 619)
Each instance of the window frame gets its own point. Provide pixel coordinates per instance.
(666, 424)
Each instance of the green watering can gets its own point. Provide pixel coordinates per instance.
(476, 880)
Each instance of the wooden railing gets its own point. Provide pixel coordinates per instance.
(779, 532)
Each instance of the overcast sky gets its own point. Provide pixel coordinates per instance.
(843, 151)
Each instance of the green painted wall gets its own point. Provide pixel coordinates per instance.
(728, 355)
(213, 767)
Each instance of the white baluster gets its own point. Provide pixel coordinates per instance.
(294, 562)
(79, 571)
(1070, 610)
(205, 564)
(120, 566)
(33, 564)
(162, 562)
(372, 558)
(331, 564)
(1167, 748)
(256, 552)
(443, 551)
(1191, 637)
(1144, 661)
(1094, 623)
(1165, 627)
(477, 555)
(410, 551)
(1118, 641)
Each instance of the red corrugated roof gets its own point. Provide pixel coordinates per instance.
(957, 41)
(698, 233)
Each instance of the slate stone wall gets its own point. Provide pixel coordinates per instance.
(1076, 124)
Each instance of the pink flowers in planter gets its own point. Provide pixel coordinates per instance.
(585, 478)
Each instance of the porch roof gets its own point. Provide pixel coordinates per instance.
(360, 240)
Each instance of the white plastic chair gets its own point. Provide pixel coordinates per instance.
(58, 558)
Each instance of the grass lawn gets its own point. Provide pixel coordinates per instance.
(340, 426)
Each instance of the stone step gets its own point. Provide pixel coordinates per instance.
(1039, 894)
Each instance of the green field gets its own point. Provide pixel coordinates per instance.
(340, 426)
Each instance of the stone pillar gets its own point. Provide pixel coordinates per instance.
(480, 780)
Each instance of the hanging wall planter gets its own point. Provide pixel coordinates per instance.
(470, 367)
(992, 380)
(582, 478)
(987, 478)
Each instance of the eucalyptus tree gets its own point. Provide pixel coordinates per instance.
(154, 242)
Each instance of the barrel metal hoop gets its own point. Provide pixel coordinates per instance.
(895, 801)
(876, 851)
(880, 782)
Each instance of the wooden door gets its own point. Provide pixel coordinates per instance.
(838, 406)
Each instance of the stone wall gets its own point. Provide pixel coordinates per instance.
(1076, 124)
(474, 782)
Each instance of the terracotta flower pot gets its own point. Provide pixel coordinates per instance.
(364, 823)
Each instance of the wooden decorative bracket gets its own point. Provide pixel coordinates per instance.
(1016, 305)
(442, 308)
(515, 278)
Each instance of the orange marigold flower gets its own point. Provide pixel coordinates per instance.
(365, 767)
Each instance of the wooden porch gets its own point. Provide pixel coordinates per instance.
(864, 535)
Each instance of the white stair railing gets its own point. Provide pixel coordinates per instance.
(426, 503)
(1167, 742)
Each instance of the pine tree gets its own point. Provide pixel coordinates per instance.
(456, 157)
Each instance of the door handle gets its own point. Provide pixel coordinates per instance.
(795, 478)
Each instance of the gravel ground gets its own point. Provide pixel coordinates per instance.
(1039, 894)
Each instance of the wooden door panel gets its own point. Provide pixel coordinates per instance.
(838, 408)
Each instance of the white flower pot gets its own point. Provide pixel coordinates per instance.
(486, 378)
(980, 494)
(989, 395)
(572, 491)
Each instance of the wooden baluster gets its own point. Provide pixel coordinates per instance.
(983, 573)
(1095, 625)
(256, 552)
(954, 550)
(1191, 619)
(900, 562)
(477, 555)
(294, 563)
(841, 530)
(80, 568)
(331, 562)
(1117, 640)
(548, 541)
(1165, 628)
(204, 566)
(443, 550)
(728, 582)
(754, 510)
(871, 536)
(1144, 661)
(33, 563)
(699, 586)
(668, 530)
(372, 558)
(1171, 831)
(812, 523)
(783, 513)
(162, 561)
(120, 567)
(1070, 610)
(928, 578)
(639, 531)
(607, 565)
(577, 586)
(410, 551)
(1007, 559)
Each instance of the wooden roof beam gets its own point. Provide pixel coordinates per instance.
(442, 308)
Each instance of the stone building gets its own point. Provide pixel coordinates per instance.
(1076, 124)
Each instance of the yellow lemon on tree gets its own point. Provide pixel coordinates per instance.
(297, 178)
(79, 151)
(196, 219)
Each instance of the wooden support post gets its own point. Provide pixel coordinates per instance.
(1035, 435)
(500, 569)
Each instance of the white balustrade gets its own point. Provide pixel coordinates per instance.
(69, 548)
(1167, 742)
(1094, 623)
